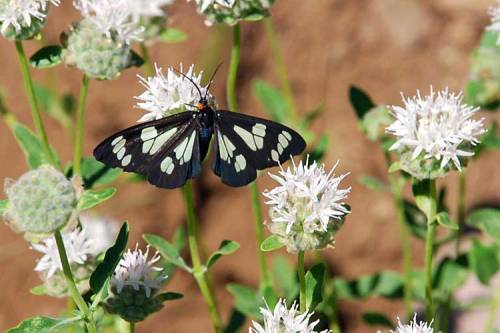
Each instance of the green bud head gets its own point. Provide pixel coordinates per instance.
(132, 304)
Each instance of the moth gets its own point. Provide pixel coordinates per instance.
(169, 151)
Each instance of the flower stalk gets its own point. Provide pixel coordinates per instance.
(199, 271)
(77, 159)
(460, 209)
(75, 294)
(148, 66)
(302, 281)
(429, 249)
(35, 110)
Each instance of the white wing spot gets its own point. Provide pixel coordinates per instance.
(188, 153)
(115, 140)
(288, 135)
(259, 129)
(179, 150)
(161, 139)
(259, 142)
(247, 137)
(229, 146)
(280, 148)
(167, 165)
(146, 146)
(148, 133)
(120, 153)
(240, 163)
(222, 148)
(283, 140)
(275, 156)
(118, 145)
(126, 160)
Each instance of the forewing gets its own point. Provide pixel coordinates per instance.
(230, 163)
(264, 143)
(157, 149)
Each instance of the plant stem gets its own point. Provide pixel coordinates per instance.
(330, 299)
(77, 159)
(405, 241)
(302, 280)
(279, 62)
(198, 269)
(234, 65)
(132, 327)
(148, 66)
(73, 290)
(35, 111)
(429, 249)
(460, 209)
(259, 235)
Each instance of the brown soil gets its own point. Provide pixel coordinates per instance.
(385, 46)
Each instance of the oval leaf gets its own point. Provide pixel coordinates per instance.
(173, 35)
(226, 247)
(271, 243)
(444, 219)
(314, 286)
(483, 260)
(92, 198)
(246, 300)
(111, 259)
(360, 101)
(421, 192)
(168, 251)
(31, 146)
(487, 219)
(373, 318)
(36, 324)
(96, 173)
(271, 99)
(47, 57)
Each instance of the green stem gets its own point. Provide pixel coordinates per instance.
(265, 279)
(495, 307)
(77, 159)
(148, 66)
(302, 281)
(199, 271)
(73, 290)
(234, 65)
(330, 299)
(279, 61)
(460, 210)
(429, 249)
(132, 327)
(35, 111)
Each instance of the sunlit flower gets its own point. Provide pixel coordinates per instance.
(413, 327)
(21, 13)
(136, 270)
(437, 126)
(283, 320)
(111, 18)
(494, 12)
(204, 4)
(233, 11)
(307, 207)
(101, 232)
(78, 250)
(148, 8)
(170, 93)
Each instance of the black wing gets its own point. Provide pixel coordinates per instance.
(244, 144)
(166, 151)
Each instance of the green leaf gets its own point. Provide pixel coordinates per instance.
(318, 152)
(421, 192)
(31, 146)
(284, 277)
(111, 259)
(271, 243)
(273, 101)
(483, 260)
(135, 60)
(451, 274)
(47, 57)
(225, 248)
(314, 286)
(168, 251)
(389, 285)
(170, 296)
(444, 219)
(92, 198)
(246, 300)
(374, 318)
(486, 219)
(373, 183)
(96, 173)
(37, 324)
(236, 322)
(173, 35)
(3, 206)
(39, 290)
(415, 219)
(395, 166)
(312, 115)
(360, 101)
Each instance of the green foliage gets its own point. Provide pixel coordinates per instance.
(483, 260)
(421, 192)
(59, 108)
(360, 101)
(92, 198)
(168, 251)
(373, 183)
(374, 318)
(226, 247)
(246, 300)
(285, 277)
(415, 219)
(488, 220)
(39, 325)
(274, 103)
(319, 150)
(444, 219)
(31, 146)
(451, 274)
(386, 284)
(3, 206)
(169, 296)
(47, 57)
(271, 243)
(314, 286)
(236, 322)
(96, 173)
(111, 259)
(173, 35)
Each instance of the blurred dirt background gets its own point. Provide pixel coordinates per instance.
(384, 46)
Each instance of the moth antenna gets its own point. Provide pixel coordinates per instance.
(211, 79)
(190, 80)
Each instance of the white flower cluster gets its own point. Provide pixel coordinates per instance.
(283, 320)
(494, 12)
(307, 207)
(21, 13)
(136, 271)
(204, 4)
(170, 93)
(121, 17)
(413, 327)
(437, 125)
